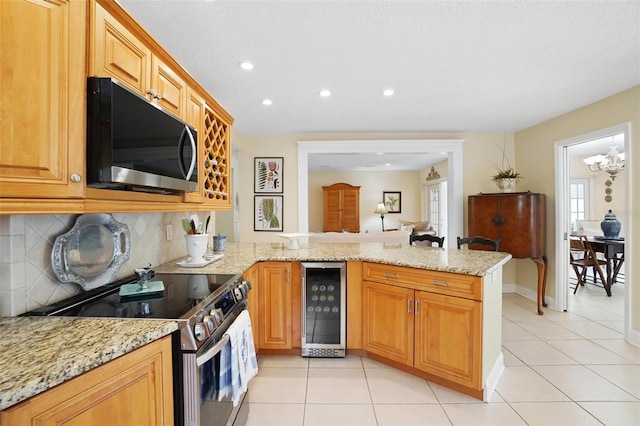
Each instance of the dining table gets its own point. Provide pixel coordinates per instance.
(613, 251)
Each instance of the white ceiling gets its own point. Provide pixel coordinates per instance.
(470, 66)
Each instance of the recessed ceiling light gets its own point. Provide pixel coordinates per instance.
(324, 93)
(387, 164)
(267, 102)
(388, 92)
(246, 65)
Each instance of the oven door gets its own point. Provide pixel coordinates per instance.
(200, 375)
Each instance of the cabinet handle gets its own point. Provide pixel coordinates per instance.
(288, 275)
(440, 283)
(498, 220)
(409, 305)
(76, 178)
(389, 275)
(416, 309)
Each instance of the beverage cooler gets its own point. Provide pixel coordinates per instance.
(324, 309)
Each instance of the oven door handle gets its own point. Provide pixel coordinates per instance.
(215, 350)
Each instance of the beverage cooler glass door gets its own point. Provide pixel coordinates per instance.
(323, 309)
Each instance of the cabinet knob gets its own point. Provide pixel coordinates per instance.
(498, 220)
(76, 178)
(152, 93)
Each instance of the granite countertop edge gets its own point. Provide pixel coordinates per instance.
(38, 353)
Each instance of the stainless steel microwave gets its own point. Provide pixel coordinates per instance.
(132, 144)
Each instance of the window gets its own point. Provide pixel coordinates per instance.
(578, 201)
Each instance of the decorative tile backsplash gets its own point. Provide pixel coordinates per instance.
(27, 280)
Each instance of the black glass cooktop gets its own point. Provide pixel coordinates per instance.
(182, 293)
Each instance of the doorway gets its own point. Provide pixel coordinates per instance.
(563, 158)
(452, 148)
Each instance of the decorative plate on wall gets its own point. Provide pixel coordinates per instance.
(92, 252)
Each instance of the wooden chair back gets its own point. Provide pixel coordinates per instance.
(479, 241)
(430, 239)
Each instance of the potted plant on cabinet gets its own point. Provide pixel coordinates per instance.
(506, 177)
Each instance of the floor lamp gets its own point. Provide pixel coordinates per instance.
(381, 210)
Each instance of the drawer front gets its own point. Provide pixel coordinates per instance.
(466, 286)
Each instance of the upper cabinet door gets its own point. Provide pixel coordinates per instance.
(42, 98)
(168, 90)
(118, 53)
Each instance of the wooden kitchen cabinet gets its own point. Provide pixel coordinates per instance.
(118, 53)
(388, 321)
(447, 337)
(278, 305)
(134, 389)
(341, 211)
(42, 131)
(519, 220)
(426, 320)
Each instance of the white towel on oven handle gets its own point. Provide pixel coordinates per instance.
(243, 362)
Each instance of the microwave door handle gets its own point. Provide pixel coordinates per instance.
(215, 350)
(187, 133)
(194, 154)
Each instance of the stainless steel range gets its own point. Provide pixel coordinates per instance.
(205, 306)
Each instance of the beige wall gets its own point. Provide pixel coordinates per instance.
(480, 153)
(534, 158)
(371, 187)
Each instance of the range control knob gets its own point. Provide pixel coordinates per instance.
(238, 294)
(199, 332)
(210, 323)
(217, 316)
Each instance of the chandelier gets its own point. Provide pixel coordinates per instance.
(612, 162)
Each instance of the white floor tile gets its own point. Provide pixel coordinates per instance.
(581, 384)
(586, 352)
(615, 413)
(446, 395)
(513, 331)
(511, 359)
(554, 414)
(626, 377)
(536, 352)
(548, 330)
(522, 384)
(346, 362)
(288, 361)
(592, 330)
(339, 415)
(482, 414)
(411, 415)
(337, 385)
(397, 387)
(622, 348)
(279, 385)
(275, 415)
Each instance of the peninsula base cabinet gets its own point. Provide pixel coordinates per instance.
(278, 313)
(134, 389)
(432, 323)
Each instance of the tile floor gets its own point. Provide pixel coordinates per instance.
(561, 369)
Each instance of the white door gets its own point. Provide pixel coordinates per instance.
(436, 207)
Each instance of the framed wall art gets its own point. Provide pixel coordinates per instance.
(392, 201)
(268, 174)
(267, 213)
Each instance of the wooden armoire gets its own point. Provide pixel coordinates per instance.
(519, 220)
(341, 210)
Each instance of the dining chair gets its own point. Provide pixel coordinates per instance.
(493, 244)
(430, 239)
(582, 257)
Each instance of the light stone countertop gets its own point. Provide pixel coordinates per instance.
(238, 257)
(38, 353)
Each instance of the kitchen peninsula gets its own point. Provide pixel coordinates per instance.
(461, 284)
